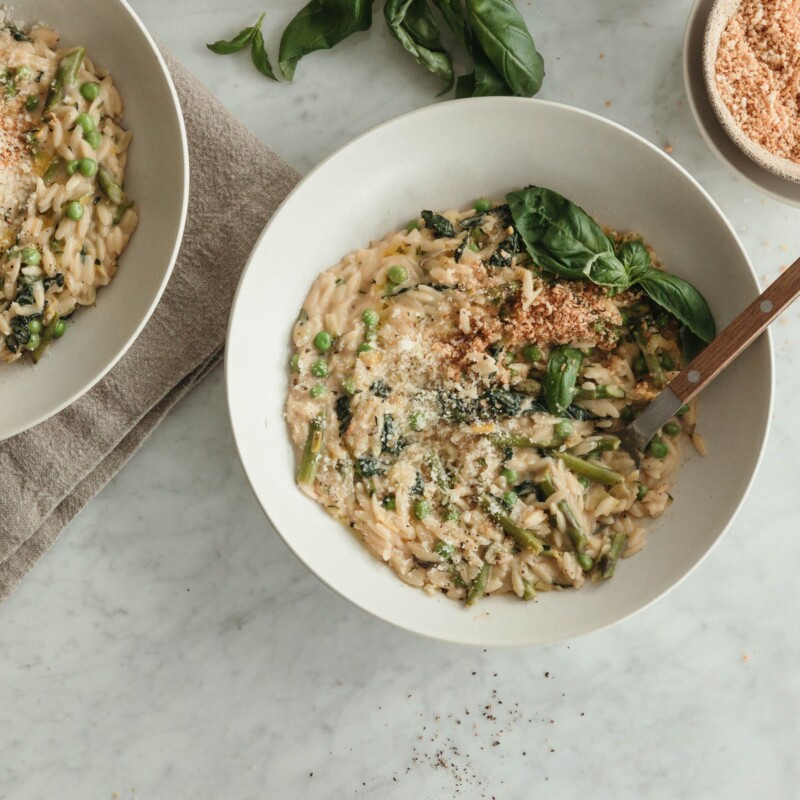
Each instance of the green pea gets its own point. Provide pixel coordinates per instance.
(72, 166)
(319, 369)
(444, 549)
(482, 205)
(672, 429)
(32, 103)
(74, 211)
(639, 365)
(452, 514)
(31, 256)
(626, 413)
(397, 274)
(323, 341)
(413, 225)
(417, 421)
(657, 448)
(641, 491)
(564, 428)
(317, 391)
(684, 409)
(370, 318)
(59, 329)
(666, 362)
(90, 90)
(422, 508)
(24, 74)
(585, 560)
(473, 246)
(349, 385)
(584, 481)
(33, 342)
(531, 353)
(294, 363)
(93, 139)
(35, 326)
(88, 167)
(390, 502)
(511, 475)
(86, 121)
(364, 347)
(509, 498)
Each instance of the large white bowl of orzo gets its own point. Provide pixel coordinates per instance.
(428, 368)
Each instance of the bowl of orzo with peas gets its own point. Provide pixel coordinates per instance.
(436, 432)
(92, 145)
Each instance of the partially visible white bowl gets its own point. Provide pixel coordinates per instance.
(442, 157)
(157, 178)
(710, 127)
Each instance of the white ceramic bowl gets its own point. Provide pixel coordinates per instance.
(445, 156)
(157, 178)
(710, 127)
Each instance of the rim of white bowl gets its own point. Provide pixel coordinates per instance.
(456, 639)
(173, 255)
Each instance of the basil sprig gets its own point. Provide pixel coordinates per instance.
(564, 240)
(258, 51)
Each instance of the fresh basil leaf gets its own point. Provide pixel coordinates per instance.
(441, 226)
(455, 17)
(636, 258)
(691, 345)
(484, 80)
(501, 32)
(562, 238)
(413, 25)
(560, 378)
(225, 48)
(320, 25)
(682, 300)
(258, 53)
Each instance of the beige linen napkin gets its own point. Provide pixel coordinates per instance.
(50, 472)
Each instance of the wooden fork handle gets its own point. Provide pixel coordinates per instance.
(738, 335)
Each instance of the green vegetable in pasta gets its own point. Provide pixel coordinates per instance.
(74, 211)
(33, 341)
(591, 470)
(35, 325)
(370, 318)
(87, 167)
(522, 536)
(323, 341)
(319, 368)
(666, 361)
(609, 562)
(672, 429)
(312, 452)
(444, 549)
(532, 353)
(86, 122)
(438, 224)
(109, 185)
(564, 428)
(414, 26)
(683, 410)
(509, 499)
(422, 509)
(397, 274)
(641, 490)
(90, 90)
(71, 166)
(528, 590)
(560, 378)
(60, 328)
(320, 25)
(93, 139)
(511, 475)
(30, 255)
(32, 103)
(364, 347)
(65, 77)
(416, 421)
(651, 360)
(317, 391)
(390, 502)
(603, 445)
(602, 392)
(482, 205)
(657, 448)
(478, 587)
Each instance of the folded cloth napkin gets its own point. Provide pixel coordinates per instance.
(52, 471)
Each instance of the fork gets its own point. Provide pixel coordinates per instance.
(693, 378)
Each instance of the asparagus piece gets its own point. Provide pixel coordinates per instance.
(574, 527)
(312, 452)
(517, 440)
(651, 359)
(66, 76)
(46, 338)
(605, 444)
(590, 470)
(604, 392)
(110, 186)
(522, 536)
(51, 170)
(528, 590)
(478, 588)
(545, 483)
(609, 562)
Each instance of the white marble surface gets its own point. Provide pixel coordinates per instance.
(169, 646)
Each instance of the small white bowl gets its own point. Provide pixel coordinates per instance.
(157, 178)
(444, 156)
(721, 14)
